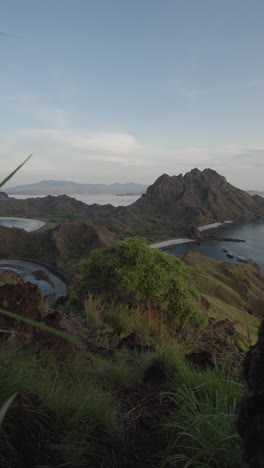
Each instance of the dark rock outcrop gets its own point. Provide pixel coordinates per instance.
(250, 420)
(200, 197)
(23, 299)
(10, 277)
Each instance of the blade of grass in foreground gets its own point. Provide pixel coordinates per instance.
(41, 326)
(13, 173)
(5, 407)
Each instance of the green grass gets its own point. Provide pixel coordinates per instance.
(202, 433)
(77, 410)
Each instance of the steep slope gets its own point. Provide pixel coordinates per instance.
(68, 241)
(231, 291)
(200, 197)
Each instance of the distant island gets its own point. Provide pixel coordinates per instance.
(256, 192)
(63, 187)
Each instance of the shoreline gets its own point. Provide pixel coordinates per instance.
(186, 240)
(33, 224)
(58, 284)
(168, 243)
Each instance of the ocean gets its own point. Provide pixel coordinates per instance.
(252, 248)
(103, 199)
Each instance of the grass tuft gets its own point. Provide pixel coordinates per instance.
(202, 433)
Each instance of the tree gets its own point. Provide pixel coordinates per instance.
(133, 272)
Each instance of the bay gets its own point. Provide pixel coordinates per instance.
(251, 249)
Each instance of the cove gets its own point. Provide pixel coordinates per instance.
(251, 249)
(28, 225)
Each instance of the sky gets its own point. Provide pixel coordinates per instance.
(104, 91)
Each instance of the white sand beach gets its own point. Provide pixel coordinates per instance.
(168, 243)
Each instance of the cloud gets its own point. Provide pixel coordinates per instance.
(117, 143)
(112, 156)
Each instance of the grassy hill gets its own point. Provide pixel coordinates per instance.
(233, 291)
(154, 377)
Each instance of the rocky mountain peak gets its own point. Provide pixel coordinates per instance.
(199, 197)
(3, 196)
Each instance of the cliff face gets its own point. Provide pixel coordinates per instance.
(200, 196)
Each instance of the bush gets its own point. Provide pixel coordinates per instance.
(132, 272)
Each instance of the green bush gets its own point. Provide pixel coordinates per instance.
(133, 272)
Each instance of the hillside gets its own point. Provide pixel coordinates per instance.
(59, 187)
(170, 207)
(142, 365)
(231, 291)
(64, 243)
(256, 192)
(200, 197)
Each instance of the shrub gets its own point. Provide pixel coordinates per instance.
(132, 272)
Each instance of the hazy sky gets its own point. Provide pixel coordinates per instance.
(125, 90)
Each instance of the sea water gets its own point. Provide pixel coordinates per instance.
(252, 248)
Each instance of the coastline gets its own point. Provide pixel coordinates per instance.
(33, 224)
(160, 245)
(186, 240)
(57, 283)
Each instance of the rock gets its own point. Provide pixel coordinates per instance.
(250, 420)
(23, 299)
(194, 233)
(10, 277)
(199, 197)
(53, 318)
(41, 275)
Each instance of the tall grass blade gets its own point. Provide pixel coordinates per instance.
(14, 172)
(5, 407)
(41, 326)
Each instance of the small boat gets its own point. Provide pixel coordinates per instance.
(224, 249)
(230, 255)
(241, 259)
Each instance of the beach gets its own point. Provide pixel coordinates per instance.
(168, 243)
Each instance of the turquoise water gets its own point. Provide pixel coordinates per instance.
(253, 248)
(22, 223)
(27, 274)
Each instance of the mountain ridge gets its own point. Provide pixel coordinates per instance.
(200, 197)
(170, 208)
(62, 187)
